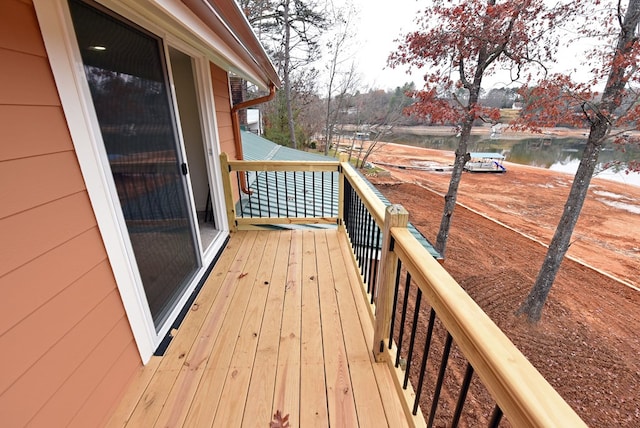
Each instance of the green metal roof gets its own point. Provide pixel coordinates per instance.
(258, 148)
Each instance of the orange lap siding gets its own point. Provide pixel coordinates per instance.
(68, 350)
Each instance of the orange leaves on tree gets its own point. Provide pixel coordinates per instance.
(458, 44)
(556, 101)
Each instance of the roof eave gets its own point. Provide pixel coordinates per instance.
(229, 22)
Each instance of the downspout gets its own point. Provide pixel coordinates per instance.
(235, 123)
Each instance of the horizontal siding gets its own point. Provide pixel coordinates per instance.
(94, 408)
(223, 115)
(33, 232)
(60, 410)
(68, 350)
(52, 177)
(40, 331)
(33, 284)
(44, 379)
(19, 88)
(219, 78)
(17, 33)
(23, 134)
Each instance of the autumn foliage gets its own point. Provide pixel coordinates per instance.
(560, 100)
(459, 43)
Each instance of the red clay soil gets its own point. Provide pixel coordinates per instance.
(587, 343)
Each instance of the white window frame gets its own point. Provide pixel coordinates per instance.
(68, 70)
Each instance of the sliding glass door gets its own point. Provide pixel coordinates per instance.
(126, 69)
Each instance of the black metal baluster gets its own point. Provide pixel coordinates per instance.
(346, 210)
(358, 231)
(496, 417)
(407, 288)
(395, 296)
(443, 368)
(295, 194)
(376, 263)
(365, 250)
(257, 193)
(334, 199)
(266, 185)
(372, 234)
(275, 175)
(304, 190)
(286, 190)
(313, 181)
(463, 395)
(363, 236)
(412, 341)
(425, 356)
(322, 207)
(241, 204)
(354, 222)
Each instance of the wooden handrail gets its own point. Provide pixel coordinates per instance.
(229, 166)
(368, 197)
(302, 166)
(525, 397)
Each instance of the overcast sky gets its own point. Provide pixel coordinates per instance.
(379, 22)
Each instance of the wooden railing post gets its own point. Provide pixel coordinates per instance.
(395, 216)
(342, 158)
(228, 192)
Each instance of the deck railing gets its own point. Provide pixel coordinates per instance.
(281, 192)
(439, 343)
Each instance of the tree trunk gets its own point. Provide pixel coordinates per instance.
(600, 125)
(328, 128)
(533, 304)
(452, 194)
(286, 75)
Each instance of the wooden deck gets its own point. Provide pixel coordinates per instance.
(280, 325)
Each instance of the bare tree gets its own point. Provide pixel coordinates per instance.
(558, 99)
(393, 115)
(339, 55)
(290, 30)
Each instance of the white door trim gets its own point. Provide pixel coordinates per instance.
(68, 71)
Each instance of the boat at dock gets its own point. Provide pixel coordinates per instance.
(485, 162)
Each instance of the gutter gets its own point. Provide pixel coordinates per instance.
(235, 123)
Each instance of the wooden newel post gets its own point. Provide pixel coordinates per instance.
(342, 158)
(228, 192)
(395, 216)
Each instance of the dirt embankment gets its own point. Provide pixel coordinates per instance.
(587, 343)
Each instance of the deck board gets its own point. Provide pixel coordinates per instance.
(312, 380)
(279, 326)
(341, 404)
(260, 396)
(234, 394)
(287, 389)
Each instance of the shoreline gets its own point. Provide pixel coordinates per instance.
(530, 199)
(447, 156)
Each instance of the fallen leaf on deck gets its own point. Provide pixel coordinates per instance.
(279, 421)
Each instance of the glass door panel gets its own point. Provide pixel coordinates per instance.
(126, 71)
(184, 82)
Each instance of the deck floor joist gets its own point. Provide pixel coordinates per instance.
(281, 325)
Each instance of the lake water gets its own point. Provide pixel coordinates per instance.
(558, 154)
